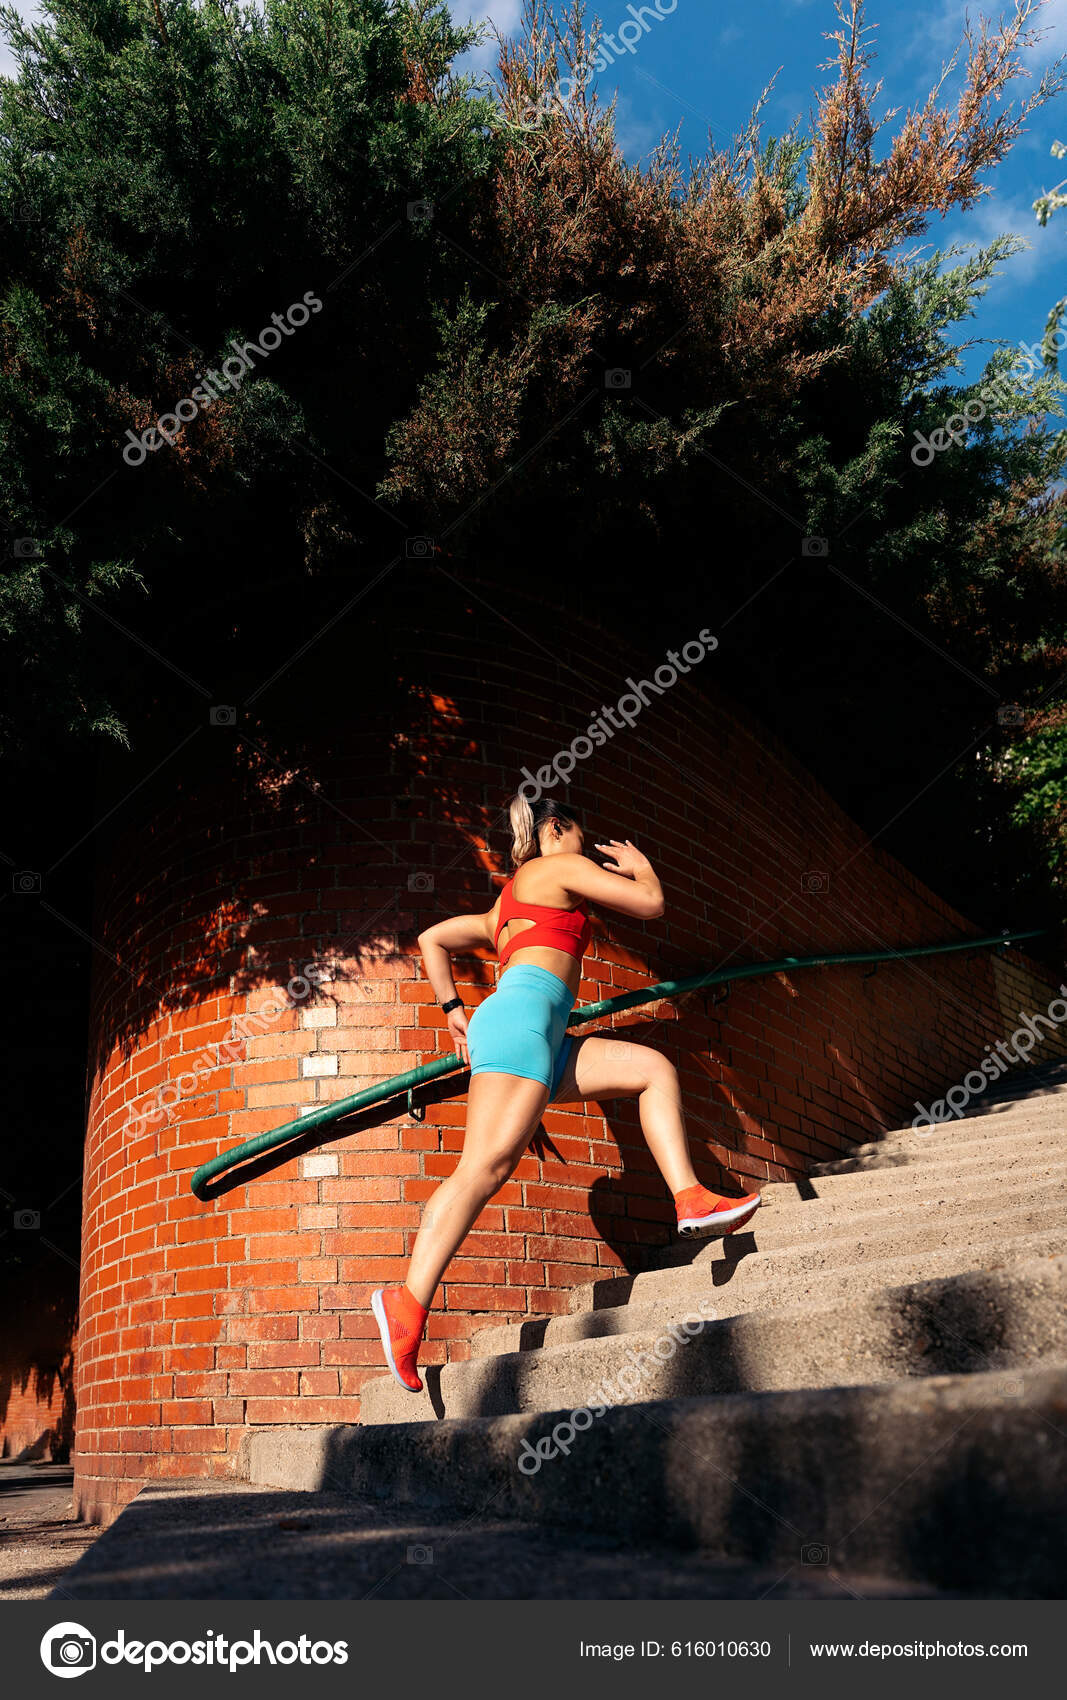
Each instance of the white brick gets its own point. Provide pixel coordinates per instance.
(325, 1015)
(319, 1063)
(321, 1165)
(308, 1109)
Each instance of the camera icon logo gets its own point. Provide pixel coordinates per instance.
(223, 714)
(420, 212)
(420, 882)
(26, 883)
(814, 881)
(420, 1555)
(617, 378)
(815, 547)
(419, 548)
(1011, 714)
(68, 1649)
(815, 1553)
(26, 1221)
(25, 549)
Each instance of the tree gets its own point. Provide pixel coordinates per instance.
(550, 360)
(173, 178)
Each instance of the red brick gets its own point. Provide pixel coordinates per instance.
(273, 1277)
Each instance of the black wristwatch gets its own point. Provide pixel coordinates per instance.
(453, 1003)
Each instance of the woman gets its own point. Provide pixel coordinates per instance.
(521, 1057)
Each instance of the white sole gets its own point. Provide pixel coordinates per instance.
(382, 1320)
(709, 1227)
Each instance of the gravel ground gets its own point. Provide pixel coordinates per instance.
(39, 1537)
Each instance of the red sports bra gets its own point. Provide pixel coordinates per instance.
(558, 929)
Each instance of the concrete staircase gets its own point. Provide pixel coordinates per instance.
(869, 1382)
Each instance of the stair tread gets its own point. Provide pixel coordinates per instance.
(744, 1247)
(969, 1322)
(959, 1480)
(884, 1375)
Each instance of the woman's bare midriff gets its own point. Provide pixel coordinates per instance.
(557, 962)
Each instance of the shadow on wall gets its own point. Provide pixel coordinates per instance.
(328, 835)
(335, 812)
(37, 1363)
(631, 1208)
(326, 822)
(267, 848)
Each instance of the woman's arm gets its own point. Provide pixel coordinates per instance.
(437, 944)
(630, 884)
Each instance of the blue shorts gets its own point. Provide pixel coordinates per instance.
(521, 1028)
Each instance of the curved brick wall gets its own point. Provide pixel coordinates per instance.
(258, 862)
(36, 1365)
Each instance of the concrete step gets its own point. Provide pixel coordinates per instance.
(781, 1224)
(789, 1218)
(1014, 1123)
(889, 1235)
(755, 1284)
(849, 1175)
(225, 1540)
(966, 1169)
(743, 1258)
(898, 1186)
(794, 1212)
(956, 1482)
(1001, 1320)
(856, 1219)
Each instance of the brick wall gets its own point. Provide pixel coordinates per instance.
(268, 902)
(42, 983)
(37, 1364)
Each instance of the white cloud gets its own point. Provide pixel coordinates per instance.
(997, 216)
(940, 32)
(504, 14)
(635, 136)
(1053, 19)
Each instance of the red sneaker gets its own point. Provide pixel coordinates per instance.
(705, 1213)
(401, 1321)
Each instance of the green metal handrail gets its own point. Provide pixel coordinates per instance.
(406, 1083)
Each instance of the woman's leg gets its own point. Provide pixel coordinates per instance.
(502, 1112)
(613, 1068)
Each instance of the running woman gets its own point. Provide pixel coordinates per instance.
(522, 1058)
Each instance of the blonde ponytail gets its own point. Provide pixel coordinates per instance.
(529, 819)
(523, 837)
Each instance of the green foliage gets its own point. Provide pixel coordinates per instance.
(171, 175)
(1036, 768)
(644, 385)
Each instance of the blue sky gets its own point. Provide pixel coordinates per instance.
(703, 66)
